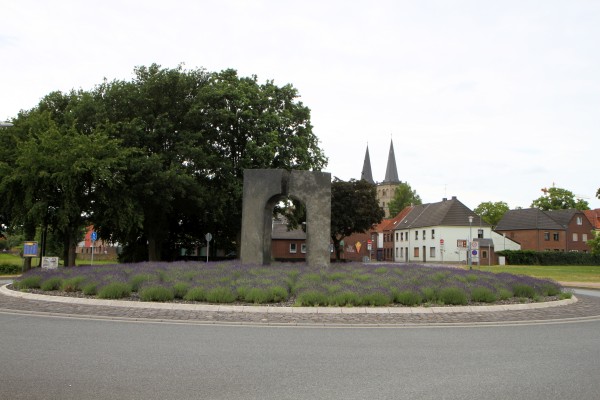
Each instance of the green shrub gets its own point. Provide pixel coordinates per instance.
(256, 296)
(114, 290)
(10, 269)
(380, 270)
(220, 294)
(278, 294)
(549, 289)
(430, 294)
(195, 294)
(504, 294)
(51, 284)
(138, 280)
(72, 284)
(29, 282)
(180, 289)
(156, 293)
(472, 278)
(376, 299)
(408, 298)
(565, 295)
(311, 298)
(482, 295)
(345, 299)
(90, 289)
(453, 296)
(523, 290)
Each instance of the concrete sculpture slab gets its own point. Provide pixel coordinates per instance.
(263, 189)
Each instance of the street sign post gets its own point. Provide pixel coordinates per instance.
(208, 238)
(94, 237)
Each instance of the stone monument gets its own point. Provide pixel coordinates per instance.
(263, 189)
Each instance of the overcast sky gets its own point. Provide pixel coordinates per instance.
(484, 100)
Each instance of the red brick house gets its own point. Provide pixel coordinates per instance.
(290, 245)
(555, 230)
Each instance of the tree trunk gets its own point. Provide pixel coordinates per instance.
(154, 249)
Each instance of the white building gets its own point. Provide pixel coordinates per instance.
(441, 232)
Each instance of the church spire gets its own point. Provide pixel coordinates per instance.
(391, 172)
(366, 171)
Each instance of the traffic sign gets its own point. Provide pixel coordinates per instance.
(208, 237)
(442, 241)
(94, 236)
(474, 245)
(474, 252)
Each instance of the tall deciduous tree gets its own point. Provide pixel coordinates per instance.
(559, 199)
(354, 209)
(403, 196)
(492, 212)
(57, 168)
(195, 133)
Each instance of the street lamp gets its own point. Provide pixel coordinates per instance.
(469, 246)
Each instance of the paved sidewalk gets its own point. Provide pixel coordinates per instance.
(583, 307)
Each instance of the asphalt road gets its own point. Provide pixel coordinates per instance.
(64, 358)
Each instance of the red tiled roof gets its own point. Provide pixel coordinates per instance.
(390, 223)
(594, 217)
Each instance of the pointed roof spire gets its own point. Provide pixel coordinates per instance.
(366, 171)
(391, 172)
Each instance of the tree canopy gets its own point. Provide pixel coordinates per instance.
(491, 212)
(403, 196)
(559, 199)
(354, 209)
(153, 163)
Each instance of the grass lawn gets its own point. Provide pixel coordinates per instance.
(7, 258)
(559, 273)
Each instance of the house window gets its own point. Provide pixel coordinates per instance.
(584, 237)
(303, 248)
(424, 234)
(396, 236)
(484, 254)
(433, 233)
(480, 233)
(402, 236)
(575, 237)
(416, 252)
(579, 221)
(432, 252)
(416, 235)
(556, 236)
(293, 247)
(396, 252)
(546, 235)
(401, 252)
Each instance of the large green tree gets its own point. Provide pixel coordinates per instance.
(195, 133)
(556, 198)
(491, 212)
(154, 163)
(354, 209)
(54, 172)
(403, 196)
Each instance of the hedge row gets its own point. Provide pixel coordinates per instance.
(530, 257)
(10, 269)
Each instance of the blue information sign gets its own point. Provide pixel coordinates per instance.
(94, 236)
(30, 249)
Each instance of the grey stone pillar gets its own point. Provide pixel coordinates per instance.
(263, 188)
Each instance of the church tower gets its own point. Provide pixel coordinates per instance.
(387, 188)
(366, 174)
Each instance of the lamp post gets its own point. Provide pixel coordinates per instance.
(469, 244)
